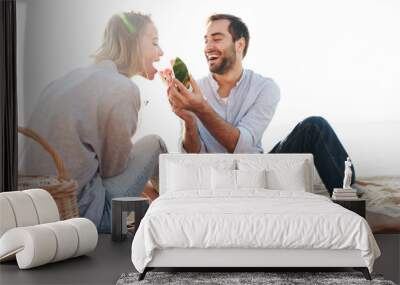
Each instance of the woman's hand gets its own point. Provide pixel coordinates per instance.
(166, 76)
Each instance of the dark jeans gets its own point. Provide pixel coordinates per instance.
(315, 135)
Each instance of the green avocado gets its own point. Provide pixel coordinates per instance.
(181, 72)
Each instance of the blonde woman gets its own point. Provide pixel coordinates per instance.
(90, 115)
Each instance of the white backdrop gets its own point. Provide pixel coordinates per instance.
(338, 59)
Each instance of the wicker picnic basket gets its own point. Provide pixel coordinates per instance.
(61, 187)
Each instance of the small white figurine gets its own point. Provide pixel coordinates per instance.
(347, 174)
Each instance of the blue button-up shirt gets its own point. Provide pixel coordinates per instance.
(249, 107)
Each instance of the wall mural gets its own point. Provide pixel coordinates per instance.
(85, 121)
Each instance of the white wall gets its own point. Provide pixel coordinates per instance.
(339, 59)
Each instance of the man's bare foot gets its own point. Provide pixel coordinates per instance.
(150, 192)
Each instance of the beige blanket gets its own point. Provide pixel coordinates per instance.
(382, 195)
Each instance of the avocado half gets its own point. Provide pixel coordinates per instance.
(181, 72)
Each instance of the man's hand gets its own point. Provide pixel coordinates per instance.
(186, 116)
(186, 104)
(181, 99)
(182, 103)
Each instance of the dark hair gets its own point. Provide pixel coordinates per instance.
(236, 28)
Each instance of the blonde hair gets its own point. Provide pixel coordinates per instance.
(122, 42)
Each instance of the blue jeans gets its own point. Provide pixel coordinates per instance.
(315, 135)
(142, 166)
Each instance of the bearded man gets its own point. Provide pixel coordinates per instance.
(229, 110)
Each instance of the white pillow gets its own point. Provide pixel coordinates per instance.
(281, 174)
(183, 177)
(223, 179)
(188, 174)
(293, 180)
(251, 178)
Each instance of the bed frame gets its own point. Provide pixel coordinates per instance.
(246, 259)
(250, 259)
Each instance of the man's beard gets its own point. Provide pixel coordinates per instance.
(227, 61)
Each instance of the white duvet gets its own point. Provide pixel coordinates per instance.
(252, 218)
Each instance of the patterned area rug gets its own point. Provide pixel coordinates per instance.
(242, 278)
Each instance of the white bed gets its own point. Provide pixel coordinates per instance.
(202, 220)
